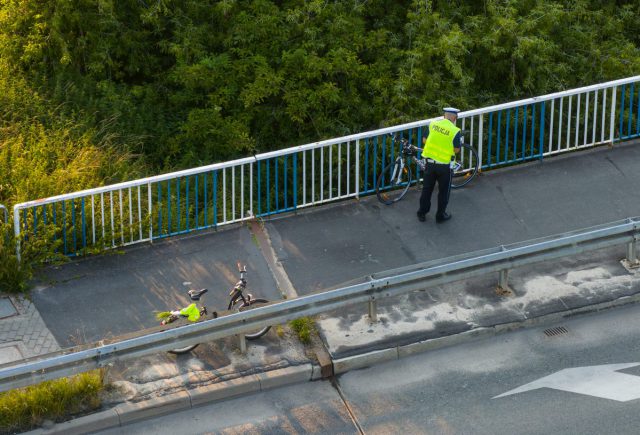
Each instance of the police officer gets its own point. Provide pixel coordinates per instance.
(440, 146)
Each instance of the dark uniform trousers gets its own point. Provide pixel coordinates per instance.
(441, 173)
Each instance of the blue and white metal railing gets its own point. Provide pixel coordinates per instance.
(564, 121)
(6, 214)
(320, 172)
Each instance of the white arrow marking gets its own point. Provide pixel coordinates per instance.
(599, 381)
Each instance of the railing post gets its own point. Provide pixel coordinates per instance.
(150, 212)
(243, 343)
(373, 309)
(251, 188)
(541, 133)
(480, 128)
(16, 228)
(613, 114)
(6, 219)
(357, 168)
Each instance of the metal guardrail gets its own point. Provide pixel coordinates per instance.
(6, 214)
(392, 283)
(319, 172)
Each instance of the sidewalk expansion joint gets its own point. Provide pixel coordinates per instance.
(259, 231)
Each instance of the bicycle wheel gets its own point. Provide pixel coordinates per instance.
(398, 181)
(187, 349)
(467, 164)
(253, 303)
(183, 350)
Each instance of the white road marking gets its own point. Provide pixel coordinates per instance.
(600, 381)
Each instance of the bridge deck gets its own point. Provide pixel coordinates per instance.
(94, 298)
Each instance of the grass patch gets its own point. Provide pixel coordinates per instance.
(304, 327)
(14, 274)
(26, 408)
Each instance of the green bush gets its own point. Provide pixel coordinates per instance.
(26, 408)
(14, 274)
(304, 327)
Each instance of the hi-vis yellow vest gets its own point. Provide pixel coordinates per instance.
(439, 145)
(192, 312)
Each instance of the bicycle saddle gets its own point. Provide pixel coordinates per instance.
(196, 294)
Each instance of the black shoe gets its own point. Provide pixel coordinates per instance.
(444, 217)
(421, 217)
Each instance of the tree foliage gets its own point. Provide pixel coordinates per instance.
(96, 91)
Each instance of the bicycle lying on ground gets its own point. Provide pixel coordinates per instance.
(237, 302)
(394, 180)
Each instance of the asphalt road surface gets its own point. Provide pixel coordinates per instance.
(456, 390)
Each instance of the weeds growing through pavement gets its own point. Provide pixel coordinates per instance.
(27, 408)
(304, 327)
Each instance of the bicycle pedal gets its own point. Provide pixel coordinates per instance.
(169, 319)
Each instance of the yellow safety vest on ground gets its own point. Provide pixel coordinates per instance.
(192, 312)
(439, 144)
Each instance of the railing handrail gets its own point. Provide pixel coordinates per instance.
(6, 213)
(424, 275)
(319, 144)
(548, 97)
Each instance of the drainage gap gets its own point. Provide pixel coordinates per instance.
(334, 383)
(553, 332)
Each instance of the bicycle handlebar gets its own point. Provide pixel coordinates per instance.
(407, 145)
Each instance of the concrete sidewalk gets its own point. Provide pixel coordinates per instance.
(119, 292)
(542, 198)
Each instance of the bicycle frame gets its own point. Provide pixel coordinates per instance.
(456, 165)
(237, 291)
(397, 170)
(236, 295)
(463, 170)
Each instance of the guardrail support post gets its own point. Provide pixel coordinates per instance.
(631, 262)
(503, 278)
(373, 310)
(631, 252)
(503, 283)
(243, 343)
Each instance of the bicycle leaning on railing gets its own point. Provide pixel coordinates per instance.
(394, 180)
(237, 302)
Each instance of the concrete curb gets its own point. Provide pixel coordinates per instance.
(126, 413)
(224, 390)
(89, 423)
(131, 412)
(367, 359)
